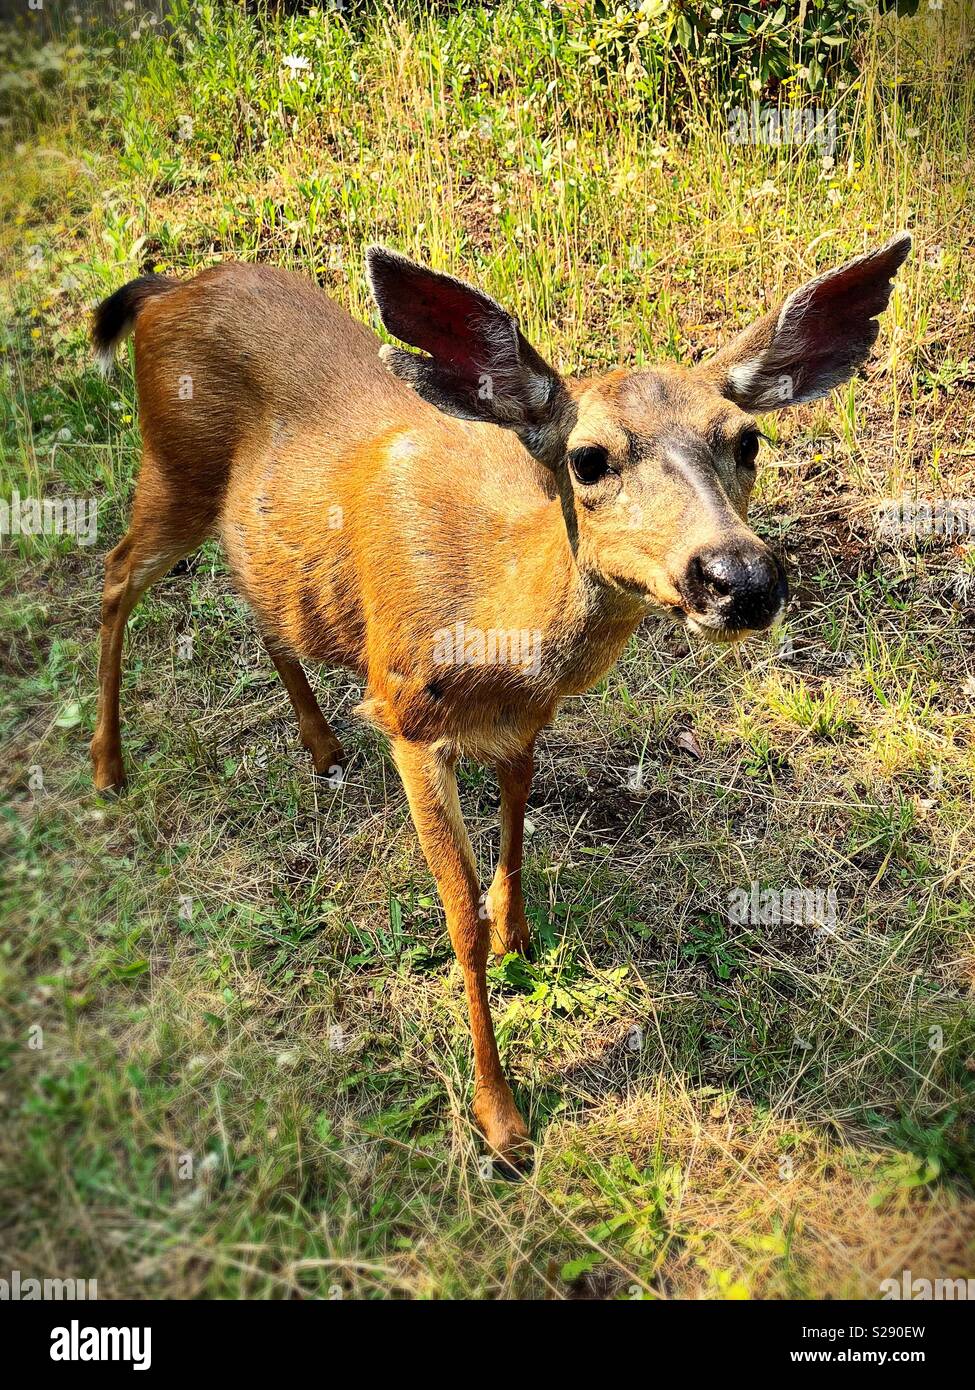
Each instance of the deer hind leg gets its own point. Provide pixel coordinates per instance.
(160, 533)
(316, 733)
(431, 788)
(505, 902)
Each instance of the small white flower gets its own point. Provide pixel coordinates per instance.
(64, 436)
(716, 13)
(295, 63)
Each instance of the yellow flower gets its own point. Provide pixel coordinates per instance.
(126, 419)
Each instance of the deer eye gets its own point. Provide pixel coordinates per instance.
(589, 464)
(747, 451)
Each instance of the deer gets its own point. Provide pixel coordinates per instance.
(393, 510)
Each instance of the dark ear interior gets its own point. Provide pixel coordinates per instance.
(456, 324)
(474, 361)
(817, 339)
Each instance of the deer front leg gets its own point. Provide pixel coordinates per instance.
(316, 733)
(505, 903)
(431, 788)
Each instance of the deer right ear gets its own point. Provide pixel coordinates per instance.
(816, 340)
(474, 362)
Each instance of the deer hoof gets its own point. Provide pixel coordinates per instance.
(328, 758)
(509, 932)
(108, 773)
(510, 1148)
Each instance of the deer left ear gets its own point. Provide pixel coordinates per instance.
(817, 339)
(475, 363)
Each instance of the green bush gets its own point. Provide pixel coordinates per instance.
(725, 50)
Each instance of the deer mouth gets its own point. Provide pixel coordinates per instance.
(719, 635)
(724, 634)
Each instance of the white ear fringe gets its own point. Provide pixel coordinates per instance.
(743, 375)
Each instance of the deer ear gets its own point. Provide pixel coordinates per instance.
(817, 339)
(474, 361)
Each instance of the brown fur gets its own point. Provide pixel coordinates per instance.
(360, 521)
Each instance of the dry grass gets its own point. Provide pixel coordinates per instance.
(780, 1124)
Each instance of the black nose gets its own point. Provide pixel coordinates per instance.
(735, 586)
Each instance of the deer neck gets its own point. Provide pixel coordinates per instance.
(582, 621)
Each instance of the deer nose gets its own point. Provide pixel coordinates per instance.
(735, 586)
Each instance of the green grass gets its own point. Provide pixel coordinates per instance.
(254, 1076)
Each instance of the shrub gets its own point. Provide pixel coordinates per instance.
(723, 50)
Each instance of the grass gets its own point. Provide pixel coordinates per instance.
(235, 1055)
